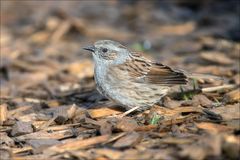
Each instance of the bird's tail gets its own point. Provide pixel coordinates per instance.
(201, 76)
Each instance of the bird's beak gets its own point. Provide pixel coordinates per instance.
(90, 48)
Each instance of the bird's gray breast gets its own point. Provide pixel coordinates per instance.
(100, 74)
(117, 86)
(108, 84)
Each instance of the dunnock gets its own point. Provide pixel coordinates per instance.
(130, 79)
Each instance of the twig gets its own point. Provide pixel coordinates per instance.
(212, 89)
(129, 111)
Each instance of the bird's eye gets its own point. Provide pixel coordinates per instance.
(104, 50)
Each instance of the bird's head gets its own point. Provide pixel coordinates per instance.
(108, 52)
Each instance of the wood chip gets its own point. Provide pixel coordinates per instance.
(53, 103)
(3, 113)
(126, 124)
(146, 127)
(228, 112)
(21, 150)
(215, 70)
(46, 135)
(233, 96)
(102, 112)
(47, 124)
(172, 140)
(236, 79)
(62, 114)
(234, 123)
(201, 100)
(30, 157)
(214, 128)
(108, 32)
(216, 57)
(188, 109)
(128, 140)
(5, 154)
(208, 146)
(38, 145)
(106, 128)
(231, 146)
(62, 29)
(193, 152)
(5, 140)
(168, 102)
(18, 111)
(180, 29)
(109, 153)
(115, 137)
(81, 69)
(40, 37)
(77, 144)
(21, 128)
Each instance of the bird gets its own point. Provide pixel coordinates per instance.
(129, 79)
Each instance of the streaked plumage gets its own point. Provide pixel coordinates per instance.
(130, 79)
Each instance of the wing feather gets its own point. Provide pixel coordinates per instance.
(140, 70)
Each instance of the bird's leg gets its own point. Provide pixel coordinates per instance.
(129, 111)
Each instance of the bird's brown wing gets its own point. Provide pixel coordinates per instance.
(141, 70)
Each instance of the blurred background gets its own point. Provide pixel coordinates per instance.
(41, 41)
(47, 89)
